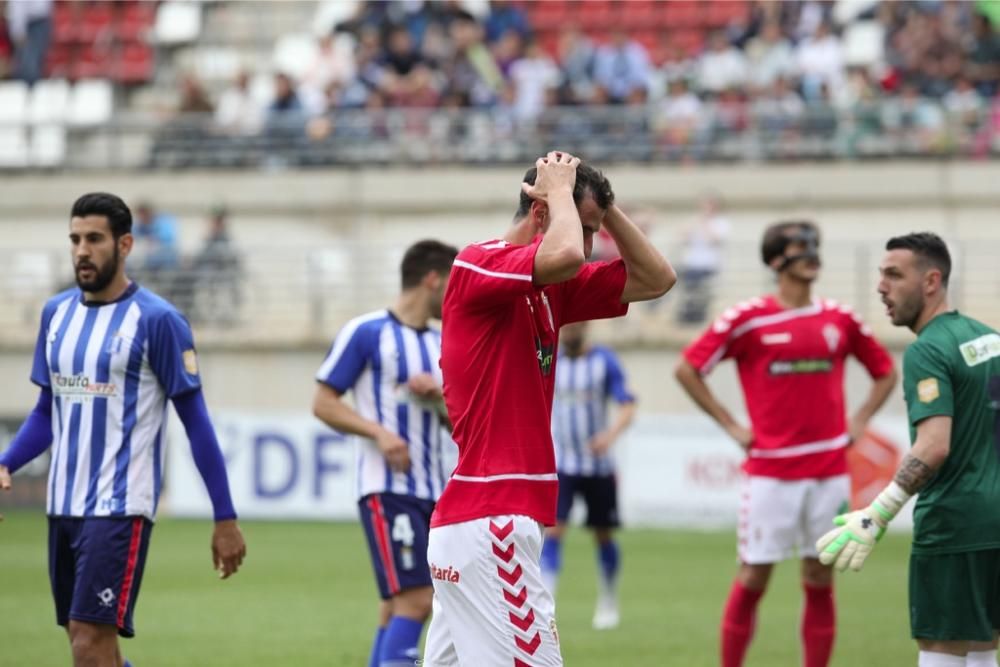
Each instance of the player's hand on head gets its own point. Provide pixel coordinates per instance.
(395, 450)
(4, 482)
(600, 443)
(741, 434)
(556, 171)
(228, 548)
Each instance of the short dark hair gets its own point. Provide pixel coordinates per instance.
(423, 257)
(110, 206)
(588, 181)
(776, 238)
(930, 250)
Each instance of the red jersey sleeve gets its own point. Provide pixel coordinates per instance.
(492, 273)
(594, 293)
(866, 348)
(711, 347)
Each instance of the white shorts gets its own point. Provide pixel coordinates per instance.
(780, 517)
(490, 606)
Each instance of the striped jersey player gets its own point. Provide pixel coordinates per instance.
(109, 356)
(388, 360)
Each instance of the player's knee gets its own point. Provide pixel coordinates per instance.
(414, 603)
(92, 644)
(754, 577)
(816, 574)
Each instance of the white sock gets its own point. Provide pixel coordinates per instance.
(928, 659)
(981, 658)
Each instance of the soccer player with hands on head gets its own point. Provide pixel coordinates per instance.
(790, 350)
(109, 355)
(506, 300)
(389, 360)
(951, 382)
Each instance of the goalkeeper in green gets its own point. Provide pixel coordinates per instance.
(951, 382)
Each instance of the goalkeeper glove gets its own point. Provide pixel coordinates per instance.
(857, 532)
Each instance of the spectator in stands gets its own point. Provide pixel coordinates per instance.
(675, 63)
(368, 72)
(156, 248)
(535, 78)
(285, 115)
(721, 66)
(193, 98)
(238, 112)
(914, 120)
(407, 78)
(472, 71)
(770, 57)
(940, 61)
(820, 62)
(621, 70)
(703, 242)
(503, 18)
(576, 65)
(507, 50)
(779, 111)
(983, 57)
(965, 109)
(30, 26)
(681, 116)
(217, 268)
(334, 63)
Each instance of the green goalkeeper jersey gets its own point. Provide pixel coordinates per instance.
(953, 369)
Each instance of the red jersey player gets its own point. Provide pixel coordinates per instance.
(790, 349)
(502, 311)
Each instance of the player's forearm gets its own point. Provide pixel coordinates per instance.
(624, 418)
(338, 415)
(206, 452)
(881, 389)
(649, 273)
(560, 254)
(34, 436)
(695, 387)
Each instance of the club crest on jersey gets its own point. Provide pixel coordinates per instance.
(832, 336)
(190, 362)
(928, 390)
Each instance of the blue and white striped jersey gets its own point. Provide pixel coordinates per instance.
(584, 385)
(375, 355)
(111, 368)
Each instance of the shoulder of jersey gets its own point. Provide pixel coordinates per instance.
(374, 318)
(736, 315)
(54, 301)
(847, 313)
(484, 246)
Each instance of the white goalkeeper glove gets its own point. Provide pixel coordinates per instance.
(857, 532)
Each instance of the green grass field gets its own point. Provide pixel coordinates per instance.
(306, 598)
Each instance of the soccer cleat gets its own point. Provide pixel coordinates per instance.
(606, 615)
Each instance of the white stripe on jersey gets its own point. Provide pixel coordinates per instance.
(493, 274)
(580, 409)
(391, 354)
(839, 442)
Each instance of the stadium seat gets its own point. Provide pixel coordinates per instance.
(294, 53)
(48, 102)
(719, 13)
(550, 14)
(13, 103)
(94, 22)
(639, 14)
(177, 22)
(688, 41)
(91, 61)
(13, 146)
(596, 15)
(59, 60)
(863, 43)
(48, 146)
(134, 21)
(91, 102)
(134, 64)
(65, 18)
(681, 14)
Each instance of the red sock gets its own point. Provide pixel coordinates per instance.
(819, 625)
(738, 622)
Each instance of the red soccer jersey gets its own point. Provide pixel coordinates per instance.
(498, 341)
(791, 368)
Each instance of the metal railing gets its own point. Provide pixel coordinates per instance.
(303, 295)
(754, 131)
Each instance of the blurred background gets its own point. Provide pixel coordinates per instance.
(280, 156)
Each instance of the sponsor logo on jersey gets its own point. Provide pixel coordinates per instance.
(800, 366)
(779, 338)
(545, 354)
(449, 574)
(981, 349)
(81, 386)
(928, 390)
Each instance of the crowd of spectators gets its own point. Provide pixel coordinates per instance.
(781, 68)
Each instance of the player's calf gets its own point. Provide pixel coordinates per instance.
(94, 645)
